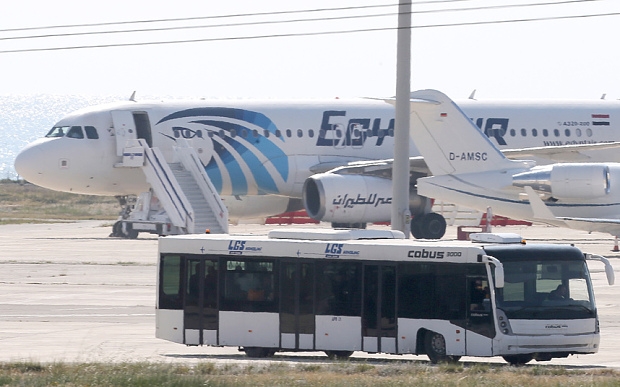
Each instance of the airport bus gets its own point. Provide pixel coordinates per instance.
(340, 291)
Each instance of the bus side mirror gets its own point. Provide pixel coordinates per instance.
(609, 270)
(499, 270)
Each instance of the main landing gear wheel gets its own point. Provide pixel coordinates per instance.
(518, 360)
(259, 352)
(428, 226)
(435, 345)
(338, 354)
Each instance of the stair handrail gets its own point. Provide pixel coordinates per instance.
(167, 189)
(188, 156)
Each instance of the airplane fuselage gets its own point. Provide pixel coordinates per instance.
(271, 147)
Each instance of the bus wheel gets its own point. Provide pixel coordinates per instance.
(338, 354)
(258, 352)
(518, 360)
(435, 345)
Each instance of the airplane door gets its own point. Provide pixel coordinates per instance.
(379, 309)
(200, 308)
(124, 129)
(297, 322)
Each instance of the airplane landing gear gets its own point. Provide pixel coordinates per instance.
(428, 226)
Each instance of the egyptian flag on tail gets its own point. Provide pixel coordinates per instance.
(600, 119)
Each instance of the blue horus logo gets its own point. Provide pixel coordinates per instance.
(242, 140)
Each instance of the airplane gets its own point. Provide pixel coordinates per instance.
(332, 157)
(468, 169)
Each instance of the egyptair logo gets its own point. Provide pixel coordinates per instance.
(243, 148)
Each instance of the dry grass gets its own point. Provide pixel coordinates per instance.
(27, 203)
(286, 374)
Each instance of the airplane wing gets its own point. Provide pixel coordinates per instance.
(560, 153)
(542, 213)
(372, 167)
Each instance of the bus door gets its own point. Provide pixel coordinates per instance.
(479, 321)
(379, 309)
(297, 325)
(200, 317)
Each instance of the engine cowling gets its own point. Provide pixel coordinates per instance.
(567, 181)
(337, 198)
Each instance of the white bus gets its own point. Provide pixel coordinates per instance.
(340, 291)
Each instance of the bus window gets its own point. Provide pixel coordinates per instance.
(248, 286)
(416, 290)
(339, 290)
(532, 286)
(170, 283)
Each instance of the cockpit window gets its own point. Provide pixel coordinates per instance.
(91, 132)
(75, 132)
(58, 131)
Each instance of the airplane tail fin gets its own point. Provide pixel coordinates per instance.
(449, 140)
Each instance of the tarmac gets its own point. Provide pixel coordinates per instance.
(70, 293)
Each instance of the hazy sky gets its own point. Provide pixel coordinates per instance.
(571, 58)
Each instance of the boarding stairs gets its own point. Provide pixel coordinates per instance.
(183, 188)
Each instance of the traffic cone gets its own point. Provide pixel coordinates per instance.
(616, 245)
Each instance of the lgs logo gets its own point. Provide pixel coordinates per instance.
(334, 248)
(236, 245)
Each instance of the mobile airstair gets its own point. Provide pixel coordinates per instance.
(182, 198)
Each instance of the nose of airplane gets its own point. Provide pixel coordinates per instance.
(29, 163)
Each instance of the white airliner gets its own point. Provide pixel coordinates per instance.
(267, 157)
(469, 170)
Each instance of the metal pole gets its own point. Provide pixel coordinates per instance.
(400, 169)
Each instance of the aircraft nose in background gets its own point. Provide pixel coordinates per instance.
(27, 162)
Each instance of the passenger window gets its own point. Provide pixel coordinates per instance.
(578, 131)
(534, 132)
(545, 133)
(288, 133)
(75, 132)
(589, 132)
(310, 133)
(278, 133)
(556, 132)
(266, 133)
(91, 132)
(523, 132)
(567, 132)
(513, 132)
(300, 133)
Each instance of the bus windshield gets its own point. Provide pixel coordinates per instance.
(546, 290)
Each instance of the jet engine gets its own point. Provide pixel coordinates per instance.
(351, 199)
(567, 181)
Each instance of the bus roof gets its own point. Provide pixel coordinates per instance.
(323, 244)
